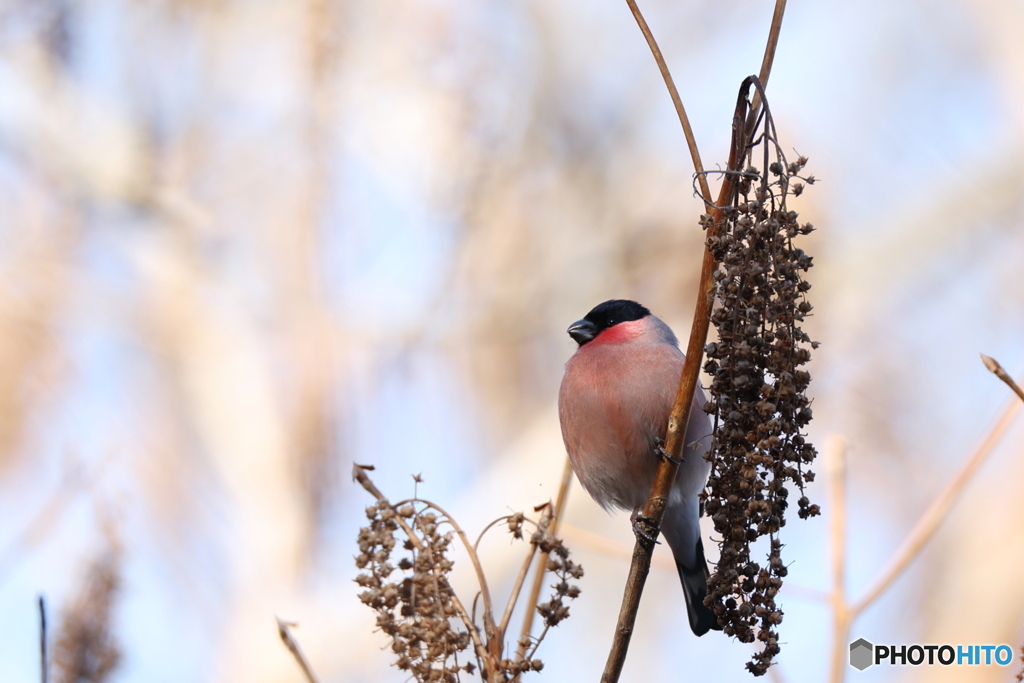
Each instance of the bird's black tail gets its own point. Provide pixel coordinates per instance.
(695, 587)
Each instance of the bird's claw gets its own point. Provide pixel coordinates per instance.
(644, 528)
(659, 448)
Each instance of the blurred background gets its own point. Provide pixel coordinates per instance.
(246, 243)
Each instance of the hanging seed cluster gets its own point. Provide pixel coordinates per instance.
(759, 453)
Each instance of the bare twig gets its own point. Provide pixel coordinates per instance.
(542, 562)
(691, 141)
(654, 509)
(767, 60)
(293, 647)
(359, 475)
(516, 588)
(43, 523)
(841, 614)
(44, 660)
(937, 511)
(995, 368)
(513, 597)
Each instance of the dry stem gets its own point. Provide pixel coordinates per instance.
(844, 614)
(995, 368)
(542, 562)
(654, 509)
(691, 141)
(293, 647)
(44, 667)
(768, 59)
(520, 579)
(841, 614)
(938, 510)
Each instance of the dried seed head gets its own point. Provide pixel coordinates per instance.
(757, 393)
(416, 608)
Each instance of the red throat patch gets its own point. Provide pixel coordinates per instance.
(621, 333)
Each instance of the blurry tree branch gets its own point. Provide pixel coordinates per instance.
(42, 524)
(283, 630)
(44, 659)
(845, 613)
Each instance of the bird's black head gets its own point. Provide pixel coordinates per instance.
(603, 316)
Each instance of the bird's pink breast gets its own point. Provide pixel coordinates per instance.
(613, 404)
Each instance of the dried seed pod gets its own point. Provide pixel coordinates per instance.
(417, 608)
(757, 393)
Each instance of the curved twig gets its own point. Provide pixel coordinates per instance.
(691, 140)
(542, 562)
(542, 528)
(657, 501)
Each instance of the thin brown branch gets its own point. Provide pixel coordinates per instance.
(516, 588)
(691, 140)
(283, 630)
(769, 57)
(995, 368)
(939, 509)
(499, 520)
(359, 475)
(841, 615)
(542, 562)
(513, 597)
(487, 660)
(654, 509)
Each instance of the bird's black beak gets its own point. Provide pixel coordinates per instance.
(582, 331)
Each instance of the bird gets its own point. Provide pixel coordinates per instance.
(613, 406)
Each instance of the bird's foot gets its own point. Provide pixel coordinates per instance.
(659, 448)
(644, 528)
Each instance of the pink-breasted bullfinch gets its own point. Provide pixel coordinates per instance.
(614, 405)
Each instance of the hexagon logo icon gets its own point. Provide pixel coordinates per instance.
(862, 654)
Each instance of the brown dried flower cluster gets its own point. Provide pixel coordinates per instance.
(416, 607)
(758, 394)
(86, 650)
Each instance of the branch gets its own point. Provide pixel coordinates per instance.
(940, 507)
(768, 60)
(293, 647)
(995, 368)
(542, 528)
(654, 509)
(691, 141)
(542, 562)
(841, 614)
(44, 665)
